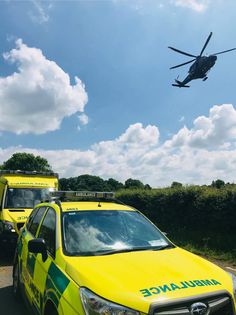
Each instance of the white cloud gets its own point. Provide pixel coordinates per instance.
(40, 14)
(196, 155)
(209, 132)
(141, 7)
(83, 118)
(37, 97)
(196, 5)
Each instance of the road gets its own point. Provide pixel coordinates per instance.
(9, 305)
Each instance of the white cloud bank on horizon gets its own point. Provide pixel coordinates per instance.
(40, 91)
(198, 155)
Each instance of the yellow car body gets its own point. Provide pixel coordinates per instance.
(161, 282)
(17, 199)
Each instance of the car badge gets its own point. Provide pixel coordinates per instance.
(199, 309)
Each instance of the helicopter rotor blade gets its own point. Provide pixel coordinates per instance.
(206, 43)
(181, 52)
(222, 52)
(183, 64)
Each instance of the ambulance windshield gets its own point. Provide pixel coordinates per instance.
(101, 232)
(25, 197)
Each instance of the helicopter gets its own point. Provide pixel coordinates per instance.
(200, 67)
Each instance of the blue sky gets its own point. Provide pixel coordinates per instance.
(87, 85)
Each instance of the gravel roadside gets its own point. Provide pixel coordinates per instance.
(9, 305)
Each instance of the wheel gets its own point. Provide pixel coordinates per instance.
(16, 280)
(50, 309)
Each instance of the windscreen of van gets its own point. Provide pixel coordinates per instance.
(25, 197)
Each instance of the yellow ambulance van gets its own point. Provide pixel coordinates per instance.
(20, 191)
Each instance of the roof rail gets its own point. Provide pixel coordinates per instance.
(20, 172)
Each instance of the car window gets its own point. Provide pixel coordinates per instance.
(36, 219)
(30, 219)
(48, 231)
(91, 232)
(25, 197)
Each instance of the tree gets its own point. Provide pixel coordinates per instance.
(90, 182)
(26, 162)
(218, 183)
(113, 185)
(83, 182)
(147, 187)
(176, 185)
(133, 184)
(64, 184)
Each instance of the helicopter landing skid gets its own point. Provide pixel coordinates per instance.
(178, 85)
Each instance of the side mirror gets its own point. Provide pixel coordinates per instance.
(38, 246)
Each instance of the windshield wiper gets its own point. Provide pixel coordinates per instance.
(134, 249)
(108, 252)
(122, 250)
(164, 247)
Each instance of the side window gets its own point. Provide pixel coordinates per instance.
(36, 219)
(48, 231)
(30, 219)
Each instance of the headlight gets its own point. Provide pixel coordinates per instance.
(8, 226)
(95, 305)
(234, 283)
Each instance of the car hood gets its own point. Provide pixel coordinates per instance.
(138, 279)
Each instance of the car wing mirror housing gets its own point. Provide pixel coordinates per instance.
(38, 246)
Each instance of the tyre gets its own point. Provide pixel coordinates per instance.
(50, 309)
(16, 280)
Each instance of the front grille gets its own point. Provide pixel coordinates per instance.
(225, 310)
(218, 304)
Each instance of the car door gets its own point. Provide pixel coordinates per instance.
(47, 231)
(28, 259)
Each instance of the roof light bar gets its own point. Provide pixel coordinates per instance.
(74, 195)
(19, 172)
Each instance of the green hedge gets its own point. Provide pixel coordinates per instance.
(203, 216)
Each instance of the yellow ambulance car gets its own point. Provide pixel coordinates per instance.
(85, 253)
(20, 191)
